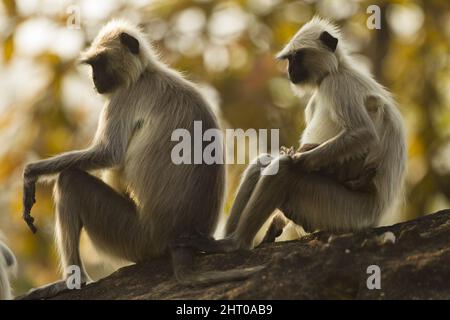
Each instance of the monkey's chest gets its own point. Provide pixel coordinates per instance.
(321, 127)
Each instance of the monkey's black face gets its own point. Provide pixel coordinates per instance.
(307, 65)
(104, 80)
(297, 68)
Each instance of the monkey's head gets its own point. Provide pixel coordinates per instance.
(118, 56)
(312, 53)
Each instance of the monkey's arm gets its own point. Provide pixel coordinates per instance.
(108, 150)
(92, 158)
(357, 136)
(346, 145)
(89, 159)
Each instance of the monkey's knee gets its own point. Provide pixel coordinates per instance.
(279, 167)
(263, 160)
(257, 165)
(70, 190)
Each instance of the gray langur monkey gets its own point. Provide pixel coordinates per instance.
(8, 266)
(144, 203)
(338, 122)
(354, 173)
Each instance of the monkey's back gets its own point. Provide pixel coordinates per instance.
(171, 198)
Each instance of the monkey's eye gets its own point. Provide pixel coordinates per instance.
(293, 56)
(297, 55)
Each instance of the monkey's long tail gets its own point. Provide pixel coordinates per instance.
(183, 266)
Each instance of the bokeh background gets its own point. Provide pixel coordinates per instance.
(48, 104)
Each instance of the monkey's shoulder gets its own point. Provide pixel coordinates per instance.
(187, 101)
(342, 89)
(340, 84)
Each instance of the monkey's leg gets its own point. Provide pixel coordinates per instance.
(182, 250)
(311, 200)
(319, 202)
(248, 182)
(110, 220)
(268, 193)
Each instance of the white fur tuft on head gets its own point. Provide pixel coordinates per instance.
(308, 35)
(112, 30)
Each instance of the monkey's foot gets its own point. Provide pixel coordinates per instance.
(208, 244)
(46, 291)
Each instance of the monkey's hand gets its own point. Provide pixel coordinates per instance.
(29, 191)
(364, 181)
(287, 151)
(305, 161)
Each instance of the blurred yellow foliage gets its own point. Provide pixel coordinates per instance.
(48, 105)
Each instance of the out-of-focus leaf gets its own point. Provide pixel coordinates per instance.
(8, 48)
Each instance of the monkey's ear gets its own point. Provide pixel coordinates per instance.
(130, 42)
(328, 40)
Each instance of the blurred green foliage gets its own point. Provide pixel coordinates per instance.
(48, 105)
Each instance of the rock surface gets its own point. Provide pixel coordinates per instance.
(414, 258)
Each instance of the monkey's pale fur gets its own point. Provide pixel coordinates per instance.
(154, 201)
(7, 269)
(337, 119)
(336, 116)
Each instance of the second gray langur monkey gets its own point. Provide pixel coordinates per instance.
(338, 122)
(355, 173)
(7, 269)
(144, 202)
